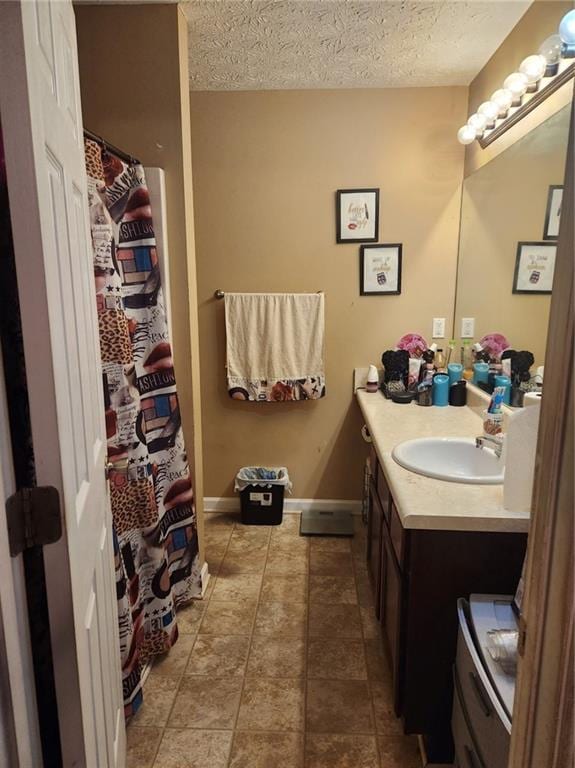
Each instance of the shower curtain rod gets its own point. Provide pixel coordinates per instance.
(106, 145)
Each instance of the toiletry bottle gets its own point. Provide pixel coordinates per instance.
(440, 393)
(440, 361)
(467, 359)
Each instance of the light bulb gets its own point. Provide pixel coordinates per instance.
(517, 84)
(466, 135)
(567, 34)
(504, 99)
(478, 123)
(533, 67)
(551, 50)
(490, 111)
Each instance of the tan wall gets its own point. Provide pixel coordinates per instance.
(134, 84)
(504, 203)
(539, 22)
(266, 167)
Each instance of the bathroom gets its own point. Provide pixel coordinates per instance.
(321, 651)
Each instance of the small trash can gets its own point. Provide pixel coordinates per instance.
(262, 494)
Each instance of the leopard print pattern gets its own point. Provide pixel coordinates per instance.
(134, 505)
(94, 165)
(154, 645)
(115, 343)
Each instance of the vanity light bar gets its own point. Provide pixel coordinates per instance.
(538, 77)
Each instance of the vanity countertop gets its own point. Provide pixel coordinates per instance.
(423, 502)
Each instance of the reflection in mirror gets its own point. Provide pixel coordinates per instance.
(501, 283)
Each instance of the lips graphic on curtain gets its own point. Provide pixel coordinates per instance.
(151, 493)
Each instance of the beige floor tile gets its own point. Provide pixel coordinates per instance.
(330, 590)
(284, 588)
(369, 623)
(223, 656)
(252, 533)
(159, 695)
(378, 664)
(237, 586)
(267, 750)
(336, 660)
(228, 618)
(248, 544)
(190, 616)
(272, 704)
(364, 590)
(214, 564)
(386, 723)
(281, 619)
(220, 520)
(206, 702)
(334, 621)
(290, 524)
(286, 561)
(289, 544)
(250, 561)
(399, 752)
(338, 706)
(340, 751)
(330, 544)
(322, 562)
(217, 539)
(187, 748)
(174, 662)
(276, 657)
(141, 747)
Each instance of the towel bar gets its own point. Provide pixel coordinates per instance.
(219, 294)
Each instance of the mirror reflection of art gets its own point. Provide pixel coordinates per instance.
(380, 269)
(357, 215)
(553, 214)
(534, 267)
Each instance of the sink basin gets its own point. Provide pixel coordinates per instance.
(455, 459)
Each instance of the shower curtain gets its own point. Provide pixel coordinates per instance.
(155, 533)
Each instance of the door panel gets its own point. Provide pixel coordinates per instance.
(40, 103)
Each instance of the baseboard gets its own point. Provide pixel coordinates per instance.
(204, 578)
(232, 504)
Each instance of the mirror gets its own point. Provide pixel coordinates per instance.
(505, 204)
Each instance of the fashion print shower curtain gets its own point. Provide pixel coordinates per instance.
(151, 494)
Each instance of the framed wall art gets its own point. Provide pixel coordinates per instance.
(553, 213)
(534, 267)
(357, 215)
(380, 269)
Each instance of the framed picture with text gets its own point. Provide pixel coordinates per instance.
(534, 267)
(380, 269)
(357, 215)
(553, 213)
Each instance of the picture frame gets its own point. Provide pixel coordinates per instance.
(357, 215)
(534, 267)
(380, 269)
(553, 212)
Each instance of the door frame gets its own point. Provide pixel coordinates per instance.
(542, 733)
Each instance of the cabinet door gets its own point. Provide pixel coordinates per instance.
(391, 601)
(374, 546)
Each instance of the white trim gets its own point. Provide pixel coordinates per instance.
(232, 504)
(204, 578)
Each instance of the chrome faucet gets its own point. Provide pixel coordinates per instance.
(496, 443)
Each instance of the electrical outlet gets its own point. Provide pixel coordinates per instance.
(467, 327)
(438, 328)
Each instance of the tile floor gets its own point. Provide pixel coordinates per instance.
(281, 666)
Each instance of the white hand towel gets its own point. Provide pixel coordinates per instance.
(275, 346)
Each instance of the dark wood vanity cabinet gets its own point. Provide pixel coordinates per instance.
(418, 575)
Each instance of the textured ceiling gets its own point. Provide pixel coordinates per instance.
(270, 44)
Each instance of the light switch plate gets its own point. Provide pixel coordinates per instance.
(467, 327)
(438, 328)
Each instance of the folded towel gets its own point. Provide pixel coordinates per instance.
(275, 346)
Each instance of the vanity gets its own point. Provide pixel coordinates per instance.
(431, 542)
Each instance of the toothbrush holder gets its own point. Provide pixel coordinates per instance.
(480, 373)
(455, 371)
(440, 392)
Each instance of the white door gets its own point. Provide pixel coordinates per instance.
(43, 139)
(19, 735)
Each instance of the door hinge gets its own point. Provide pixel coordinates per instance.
(522, 638)
(33, 516)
